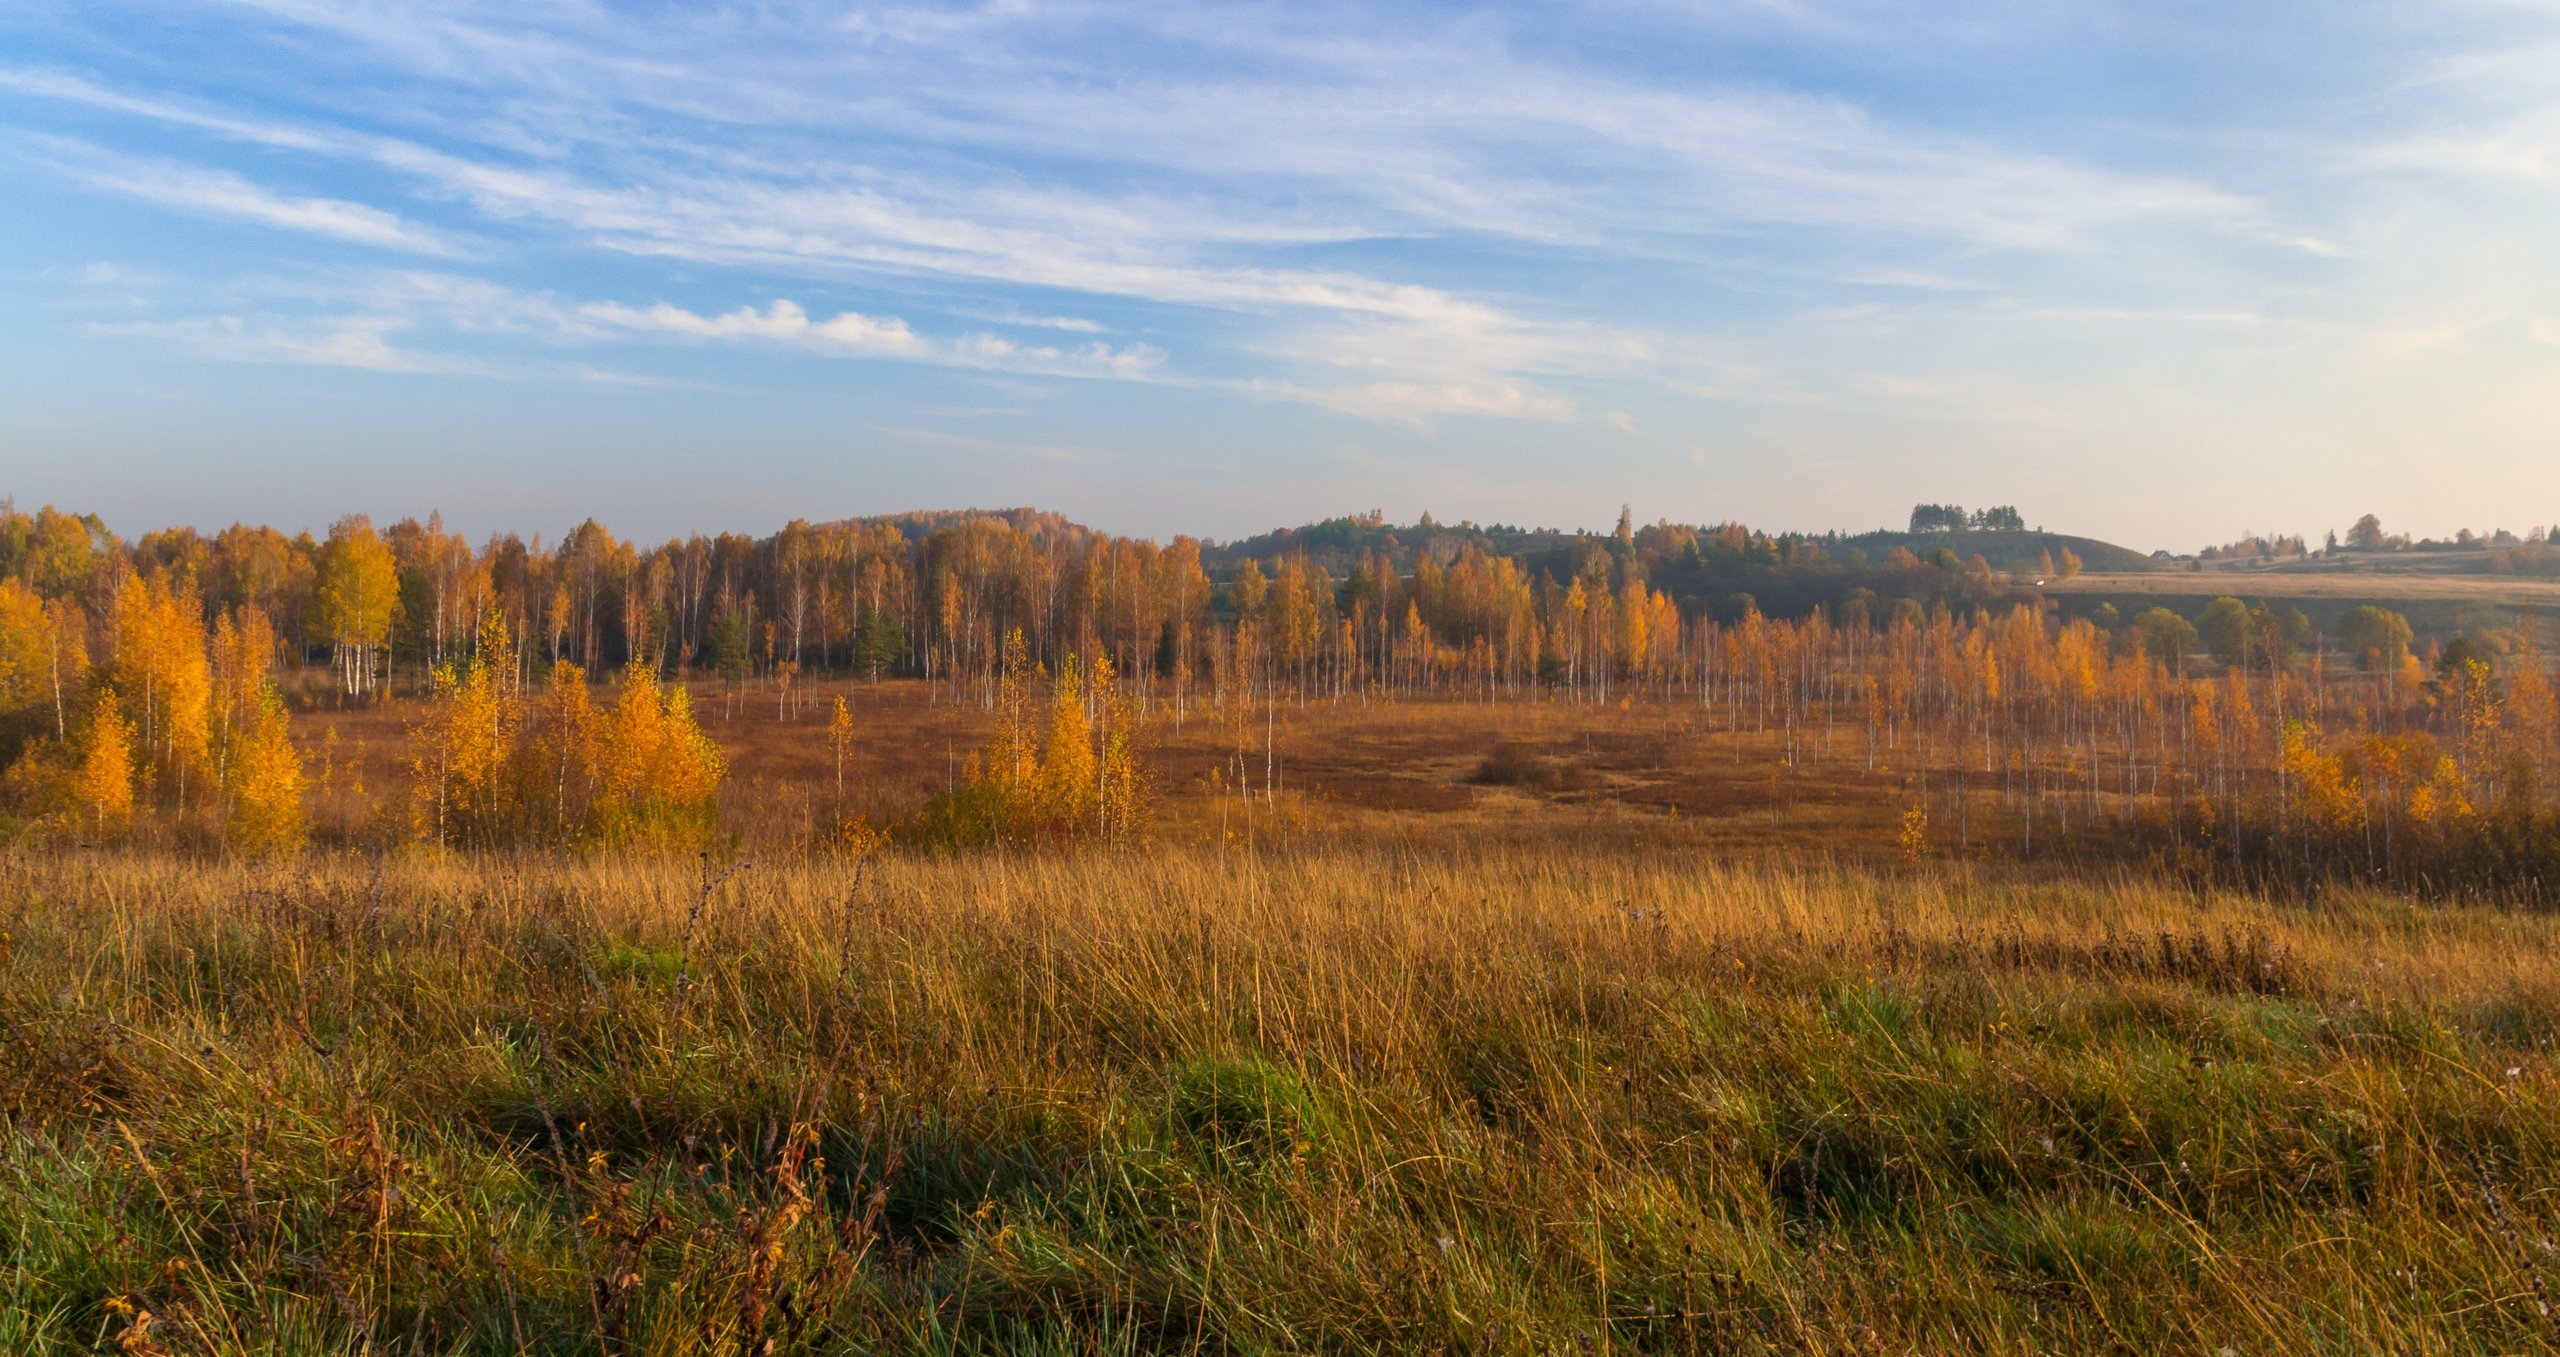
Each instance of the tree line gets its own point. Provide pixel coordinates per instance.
(144, 677)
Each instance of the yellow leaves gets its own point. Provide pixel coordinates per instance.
(840, 739)
(244, 647)
(1084, 777)
(2323, 788)
(267, 783)
(491, 768)
(25, 646)
(1250, 591)
(1913, 839)
(1066, 785)
(657, 776)
(856, 838)
(2443, 799)
(460, 755)
(1013, 760)
(357, 591)
(103, 783)
(1122, 796)
(163, 676)
(1301, 599)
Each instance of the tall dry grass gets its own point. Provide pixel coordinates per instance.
(1333, 1100)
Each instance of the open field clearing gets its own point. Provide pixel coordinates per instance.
(2385, 586)
(1651, 770)
(1478, 1101)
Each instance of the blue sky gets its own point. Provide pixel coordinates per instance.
(2159, 273)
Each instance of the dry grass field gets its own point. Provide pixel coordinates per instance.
(1476, 1099)
(1647, 771)
(1426, 1026)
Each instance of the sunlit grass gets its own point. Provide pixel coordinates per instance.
(1507, 1101)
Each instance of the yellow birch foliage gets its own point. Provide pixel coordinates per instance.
(1123, 790)
(1015, 758)
(1067, 783)
(657, 776)
(459, 759)
(840, 739)
(2443, 800)
(165, 679)
(103, 783)
(243, 652)
(267, 782)
(25, 647)
(567, 753)
(2323, 789)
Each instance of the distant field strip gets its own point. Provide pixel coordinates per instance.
(2357, 585)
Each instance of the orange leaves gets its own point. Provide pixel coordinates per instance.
(1079, 776)
(1066, 787)
(164, 679)
(840, 739)
(25, 642)
(103, 783)
(2324, 792)
(1913, 837)
(266, 782)
(459, 758)
(490, 768)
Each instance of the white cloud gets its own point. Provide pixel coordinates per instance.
(783, 320)
(853, 333)
(1415, 402)
(351, 325)
(1410, 217)
(810, 146)
(73, 89)
(342, 341)
(223, 194)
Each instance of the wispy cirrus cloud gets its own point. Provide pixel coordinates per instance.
(1810, 229)
(220, 193)
(1214, 177)
(412, 321)
(356, 341)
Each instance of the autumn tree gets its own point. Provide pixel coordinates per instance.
(54, 553)
(1121, 792)
(1065, 790)
(657, 776)
(840, 739)
(464, 751)
(166, 680)
(32, 651)
(266, 782)
(103, 783)
(354, 600)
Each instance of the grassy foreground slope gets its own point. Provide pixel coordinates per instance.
(1339, 1102)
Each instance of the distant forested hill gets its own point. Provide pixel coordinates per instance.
(1718, 570)
(2008, 550)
